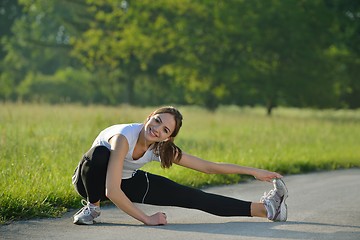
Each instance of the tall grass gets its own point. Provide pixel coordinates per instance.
(40, 145)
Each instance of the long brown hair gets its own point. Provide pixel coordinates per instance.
(167, 150)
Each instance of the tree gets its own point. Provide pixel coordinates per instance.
(39, 43)
(345, 51)
(292, 53)
(9, 12)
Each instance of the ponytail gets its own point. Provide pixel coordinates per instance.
(168, 153)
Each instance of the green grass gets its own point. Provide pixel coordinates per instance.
(42, 144)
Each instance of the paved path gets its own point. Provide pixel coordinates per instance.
(322, 205)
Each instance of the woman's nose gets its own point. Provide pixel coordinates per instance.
(156, 128)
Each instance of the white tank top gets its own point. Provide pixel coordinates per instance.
(131, 133)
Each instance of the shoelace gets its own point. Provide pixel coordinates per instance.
(268, 195)
(87, 207)
(84, 202)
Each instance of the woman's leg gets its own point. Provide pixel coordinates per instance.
(258, 210)
(157, 190)
(89, 180)
(90, 176)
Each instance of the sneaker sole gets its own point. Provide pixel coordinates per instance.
(279, 182)
(282, 217)
(82, 222)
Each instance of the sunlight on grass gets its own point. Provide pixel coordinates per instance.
(42, 144)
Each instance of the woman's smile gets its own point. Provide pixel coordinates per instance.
(152, 132)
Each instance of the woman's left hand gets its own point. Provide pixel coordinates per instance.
(264, 175)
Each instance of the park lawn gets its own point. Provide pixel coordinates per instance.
(42, 144)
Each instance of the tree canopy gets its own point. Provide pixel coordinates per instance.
(243, 52)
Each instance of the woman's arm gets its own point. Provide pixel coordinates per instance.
(113, 183)
(204, 166)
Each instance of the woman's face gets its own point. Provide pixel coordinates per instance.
(159, 127)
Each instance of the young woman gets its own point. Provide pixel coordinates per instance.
(109, 170)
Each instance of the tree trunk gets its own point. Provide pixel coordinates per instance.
(269, 106)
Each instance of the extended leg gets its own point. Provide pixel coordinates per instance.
(164, 192)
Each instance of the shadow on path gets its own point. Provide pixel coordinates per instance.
(284, 230)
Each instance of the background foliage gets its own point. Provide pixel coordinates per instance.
(210, 53)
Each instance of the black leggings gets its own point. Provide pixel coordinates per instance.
(143, 187)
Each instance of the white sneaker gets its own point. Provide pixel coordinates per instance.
(274, 202)
(87, 215)
(280, 187)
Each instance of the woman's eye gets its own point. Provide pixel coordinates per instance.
(157, 120)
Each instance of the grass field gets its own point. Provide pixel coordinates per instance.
(42, 144)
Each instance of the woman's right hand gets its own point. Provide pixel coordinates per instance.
(157, 219)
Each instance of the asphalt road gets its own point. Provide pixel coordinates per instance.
(322, 205)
